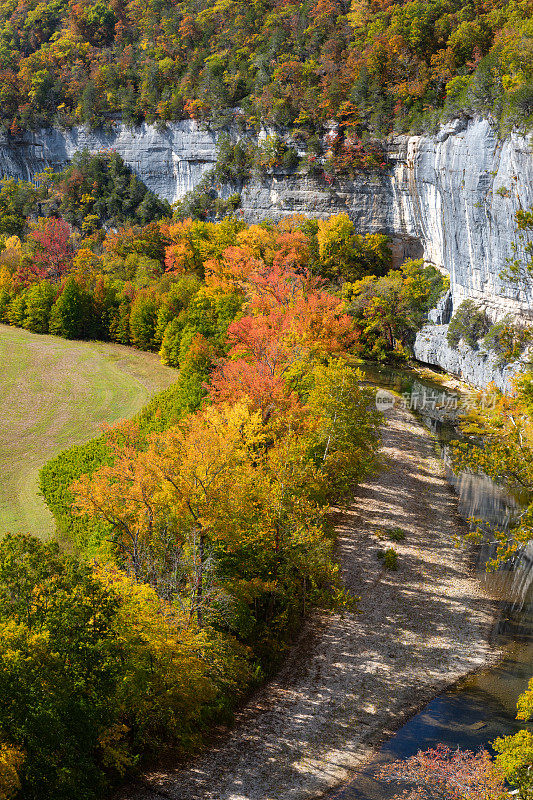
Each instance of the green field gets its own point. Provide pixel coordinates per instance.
(56, 393)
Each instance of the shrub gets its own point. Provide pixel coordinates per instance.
(273, 154)
(469, 323)
(508, 340)
(54, 482)
(389, 558)
(397, 535)
(394, 534)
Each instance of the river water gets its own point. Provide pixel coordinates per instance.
(482, 707)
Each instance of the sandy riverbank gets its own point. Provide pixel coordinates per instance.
(354, 678)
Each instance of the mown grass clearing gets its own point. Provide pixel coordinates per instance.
(54, 394)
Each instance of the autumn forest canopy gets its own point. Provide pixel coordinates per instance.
(197, 534)
(194, 538)
(371, 65)
(90, 253)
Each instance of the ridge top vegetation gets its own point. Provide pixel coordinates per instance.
(371, 65)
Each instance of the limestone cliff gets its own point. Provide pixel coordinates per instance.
(476, 367)
(171, 162)
(451, 197)
(456, 193)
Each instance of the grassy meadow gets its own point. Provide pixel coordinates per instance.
(54, 394)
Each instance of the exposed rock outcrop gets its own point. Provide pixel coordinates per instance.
(457, 193)
(451, 197)
(476, 367)
(443, 311)
(171, 161)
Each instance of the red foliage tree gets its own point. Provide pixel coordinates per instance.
(443, 774)
(51, 250)
(258, 361)
(278, 285)
(288, 326)
(266, 391)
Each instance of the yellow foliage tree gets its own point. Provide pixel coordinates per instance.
(11, 760)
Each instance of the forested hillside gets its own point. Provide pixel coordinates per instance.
(372, 65)
(200, 528)
(198, 534)
(205, 516)
(79, 273)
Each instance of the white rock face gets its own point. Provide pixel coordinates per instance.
(451, 197)
(465, 188)
(170, 162)
(476, 367)
(456, 193)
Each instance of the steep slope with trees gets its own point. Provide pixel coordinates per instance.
(371, 64)
(208, 511)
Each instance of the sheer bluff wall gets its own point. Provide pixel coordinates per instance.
(452, 196)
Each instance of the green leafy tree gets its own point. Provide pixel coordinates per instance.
(39, 301)
(143, 321)
(72, 313)
(94, 670)
(120, 331)
(5, 300)
(469, 323)
(55, 667)
(96, 23)
(345, 442)
(390, 309)
(16, 201)
(500, 431)
(16, 311)
(105, 189)
(176, 301)
(170, 346)
(344, 256)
